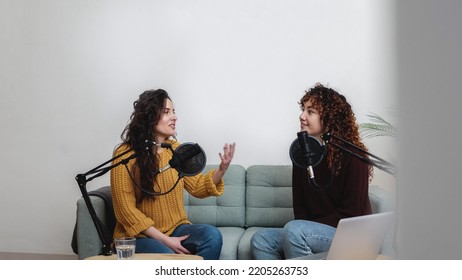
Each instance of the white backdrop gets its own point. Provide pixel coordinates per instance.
(70, 71)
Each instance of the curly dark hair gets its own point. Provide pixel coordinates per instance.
(337, 118)
(141, 127)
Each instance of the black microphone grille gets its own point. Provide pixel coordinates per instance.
(192, 159)
(302, 158)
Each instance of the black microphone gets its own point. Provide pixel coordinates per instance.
(306, 150)
(307, 153)
(188, 159)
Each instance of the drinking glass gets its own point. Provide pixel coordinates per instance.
(125, 247)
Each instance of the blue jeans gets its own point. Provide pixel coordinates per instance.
(298, 238)
(204, 240)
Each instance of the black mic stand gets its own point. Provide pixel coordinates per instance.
(82, 180)
(372, 160)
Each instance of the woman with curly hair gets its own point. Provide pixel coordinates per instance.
(344, 177)
(148, 204)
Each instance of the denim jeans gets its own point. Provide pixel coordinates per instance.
(298, 238)
(204, 240)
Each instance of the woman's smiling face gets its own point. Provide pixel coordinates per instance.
(310, 120)
(166, 126)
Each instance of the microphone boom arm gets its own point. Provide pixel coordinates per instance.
(374, 160)
(98, 171)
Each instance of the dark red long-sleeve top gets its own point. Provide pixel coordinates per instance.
(347, 196)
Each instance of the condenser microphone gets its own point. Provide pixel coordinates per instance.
(188, 159)
(306, 152)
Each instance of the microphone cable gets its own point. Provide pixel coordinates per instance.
(317, 187)
(149, 192)
(175, 163)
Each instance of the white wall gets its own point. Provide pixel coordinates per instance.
(70, 70)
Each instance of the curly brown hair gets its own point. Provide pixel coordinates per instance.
(337, 118)
(147, 111)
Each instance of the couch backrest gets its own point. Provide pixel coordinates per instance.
(269, 195)
(260, 195)
(225, 210)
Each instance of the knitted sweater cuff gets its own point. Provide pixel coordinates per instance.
(137, 228)
(212, 189)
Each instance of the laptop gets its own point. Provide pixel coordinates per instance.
(357, 238)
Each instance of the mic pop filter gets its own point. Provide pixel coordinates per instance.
(190, 159)
(306, 151)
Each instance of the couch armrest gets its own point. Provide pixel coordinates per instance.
(382, 200)
(88, 241)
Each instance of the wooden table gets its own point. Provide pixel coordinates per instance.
(150, 257)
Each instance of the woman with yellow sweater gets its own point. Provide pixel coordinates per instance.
(145, 205)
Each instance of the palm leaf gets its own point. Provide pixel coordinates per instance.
(377, 127)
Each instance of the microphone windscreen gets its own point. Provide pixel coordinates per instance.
(306, 151)
(189, 151)
(191, 159)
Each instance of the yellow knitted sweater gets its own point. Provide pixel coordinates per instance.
(164, 212)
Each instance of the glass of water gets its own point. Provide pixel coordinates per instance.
(125, 247)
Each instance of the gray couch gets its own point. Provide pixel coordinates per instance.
(259, 196)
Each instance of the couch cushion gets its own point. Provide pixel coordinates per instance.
(231, 239)
(227, 210)
(244, 250)
(269, 195)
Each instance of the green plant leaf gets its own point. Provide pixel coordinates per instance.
(377, 127)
